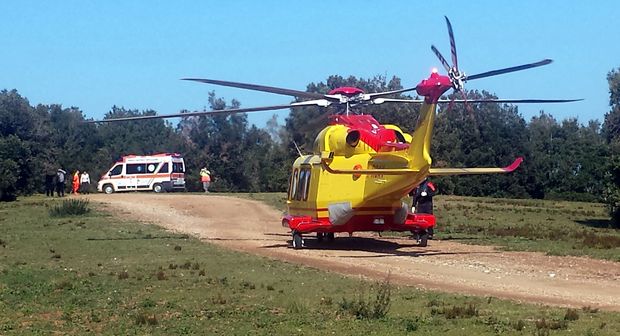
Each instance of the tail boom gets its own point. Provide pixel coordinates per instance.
(474, 171)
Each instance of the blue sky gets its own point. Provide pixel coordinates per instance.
(94, 55)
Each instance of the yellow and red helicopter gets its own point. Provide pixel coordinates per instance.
(360, 170)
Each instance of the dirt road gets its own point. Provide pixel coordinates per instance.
(444, 265)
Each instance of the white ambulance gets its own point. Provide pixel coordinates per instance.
(159, 172)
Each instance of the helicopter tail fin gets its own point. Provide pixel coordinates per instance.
(473, 171)
(419, 150)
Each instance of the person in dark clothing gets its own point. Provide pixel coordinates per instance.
(60, 182)
(49, 184)
(422, 197)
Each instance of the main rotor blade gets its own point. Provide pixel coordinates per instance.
(395, 100)
(506, 70)
(255, 87)
(441, 58)
(191, 114)
(387, 93)
(455, 62)
(509, 101)
(504, 101)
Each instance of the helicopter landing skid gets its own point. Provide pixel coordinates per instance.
(418, 224)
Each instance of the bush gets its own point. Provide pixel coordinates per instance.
(571, 315)
(70, 207)
(364, 307)
(454, 312)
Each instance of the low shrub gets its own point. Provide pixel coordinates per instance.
(70, 207)
(367, 307)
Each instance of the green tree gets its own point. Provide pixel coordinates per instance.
(487, 135)
(240, 157)
(19, 135)
(611, 130)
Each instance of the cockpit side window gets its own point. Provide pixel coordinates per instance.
(294, 184)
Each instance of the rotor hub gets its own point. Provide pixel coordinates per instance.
(433, 87)
(457, 78)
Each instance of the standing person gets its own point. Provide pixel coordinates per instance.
(205, 178)
(422, 197)
(85, 183)
(60, 182)
(49, 183)
(76, 182)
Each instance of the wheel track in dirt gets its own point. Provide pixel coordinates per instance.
(254, 227)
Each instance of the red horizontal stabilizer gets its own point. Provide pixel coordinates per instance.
(514, 165)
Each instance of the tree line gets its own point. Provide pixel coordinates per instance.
(564, 159)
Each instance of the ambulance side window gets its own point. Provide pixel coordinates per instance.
(164, 168)
(151, 166)
(116, 170)
(136, 168)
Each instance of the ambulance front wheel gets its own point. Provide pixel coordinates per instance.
(108, 189)
(157, 187)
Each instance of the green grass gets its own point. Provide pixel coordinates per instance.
(552, 227)
(98, 274)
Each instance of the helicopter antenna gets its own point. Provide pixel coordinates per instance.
(297, 147)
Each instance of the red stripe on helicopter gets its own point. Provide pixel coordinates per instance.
(372, 133)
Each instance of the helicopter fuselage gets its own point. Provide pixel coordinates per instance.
(358, 175)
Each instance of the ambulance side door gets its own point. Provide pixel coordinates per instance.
(146, 179)
(117, 175)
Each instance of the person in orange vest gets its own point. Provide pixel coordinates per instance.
(76, 182)
(205, 178)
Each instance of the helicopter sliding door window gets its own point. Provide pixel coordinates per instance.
(301, 187)
(306, 184)
(303, 184)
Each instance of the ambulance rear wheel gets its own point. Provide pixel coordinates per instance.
(108, 189)
(157, 187)
(297, 240)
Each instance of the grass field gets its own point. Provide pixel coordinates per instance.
(553, 227)
(95, 273)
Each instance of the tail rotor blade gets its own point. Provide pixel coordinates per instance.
(507, 70)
